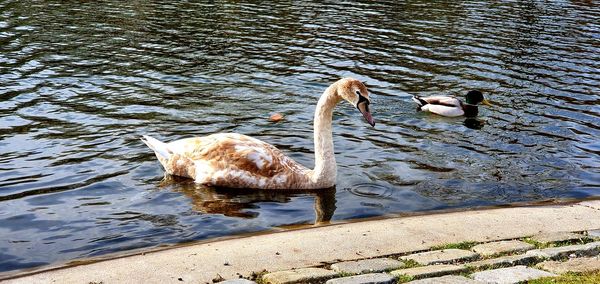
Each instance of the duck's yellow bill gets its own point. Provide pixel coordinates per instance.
(486, 102)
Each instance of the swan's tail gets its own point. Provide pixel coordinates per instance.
(174, 164)
(161, 149)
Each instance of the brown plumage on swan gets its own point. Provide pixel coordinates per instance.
(240, 161)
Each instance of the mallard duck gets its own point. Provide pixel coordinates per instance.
(239, 161)
(450, 106)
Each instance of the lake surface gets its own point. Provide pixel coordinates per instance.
(80, 82)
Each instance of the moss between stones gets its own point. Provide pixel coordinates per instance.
(345, 274)
(404, 278)
(258, 277)
(466, 245)
(409, 263)
(581, 241)
(539, 245)
(569, 278)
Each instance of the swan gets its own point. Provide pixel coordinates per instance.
(239, 161)
(450, 106)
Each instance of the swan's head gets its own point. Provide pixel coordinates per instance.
(355, 92)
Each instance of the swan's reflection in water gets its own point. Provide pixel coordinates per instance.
(243, 203)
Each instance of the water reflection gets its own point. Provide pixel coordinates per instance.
(473, 123)
(242, 203)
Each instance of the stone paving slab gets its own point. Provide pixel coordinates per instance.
(510, 275)
(237, 281)
(502, 247)
(503, 261)
(372, 278)
(448, 279)
(595, 204)
(367, 265)
(594, 234)
(552, 237)
(430, 271)
(441, 256)
(298, 275)
(590, 249)
(583, 265)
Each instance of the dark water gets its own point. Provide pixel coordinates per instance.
(80, 82)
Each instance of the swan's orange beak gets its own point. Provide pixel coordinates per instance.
(363, 107)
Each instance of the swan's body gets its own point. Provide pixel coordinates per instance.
(231, 160)
(240, 161)
(451, 106)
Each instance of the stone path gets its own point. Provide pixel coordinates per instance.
(508, 261)
(430, 248)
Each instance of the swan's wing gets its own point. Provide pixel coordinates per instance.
(235, 160)
(450, 111)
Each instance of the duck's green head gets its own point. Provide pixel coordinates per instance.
(475, 97)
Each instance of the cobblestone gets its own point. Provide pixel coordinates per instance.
(556, 237)
(367, 265)
(430, 271)
(372, 278)
(590, 249)
(594, 234)
(582, 265)
(503, 261)
(441, 256)
(501, 247)
(237, 281)
(449, 279)
(298, 275)
(510, 275)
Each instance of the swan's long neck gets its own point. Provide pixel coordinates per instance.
(324, 174)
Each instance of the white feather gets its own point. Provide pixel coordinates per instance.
(417, 101)
(442, 100)
(443, 110)
(161, 149)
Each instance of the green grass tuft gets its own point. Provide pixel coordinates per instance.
(409, 263)
(466, 245)
(580, 241)
(539, 245)
(345, 274)
(536, 244)
(569, 278)
(404, 278)
(258, 277)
